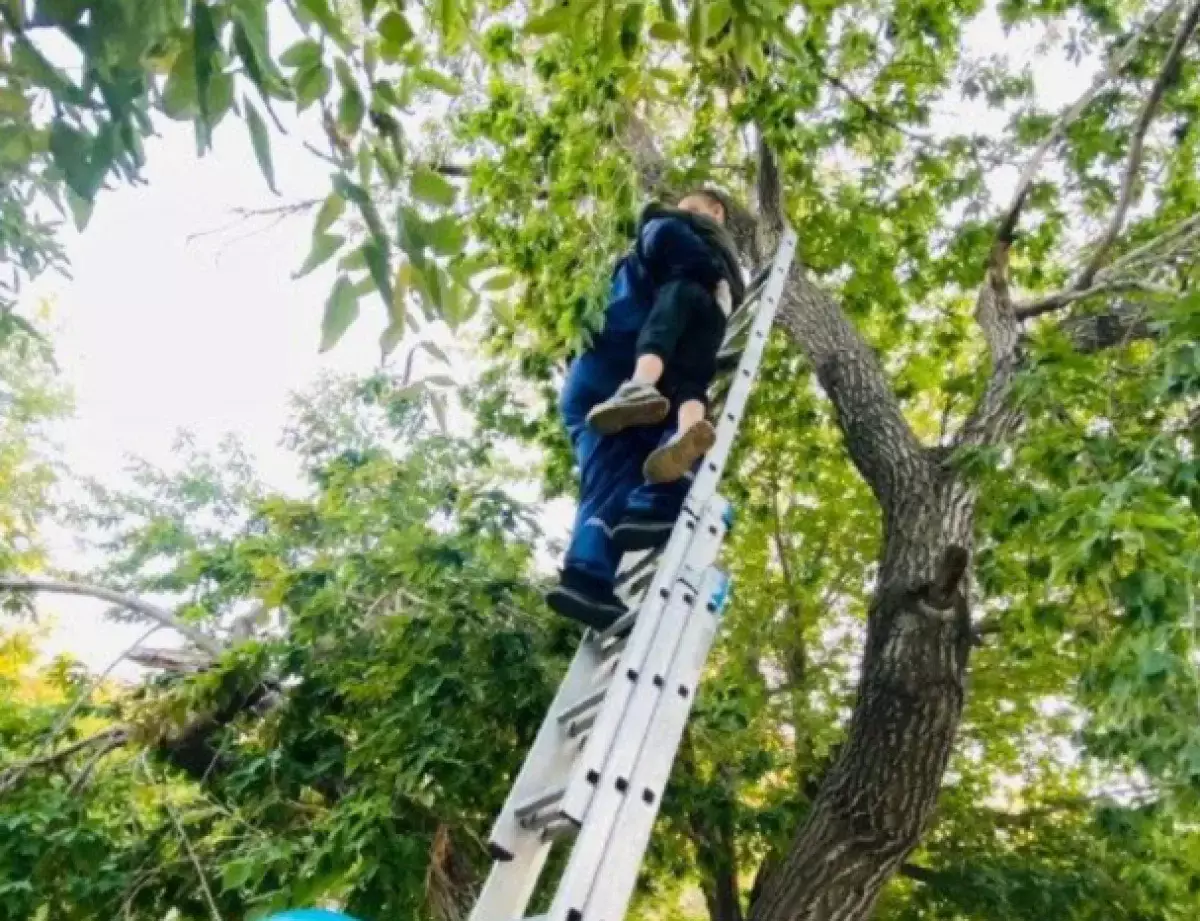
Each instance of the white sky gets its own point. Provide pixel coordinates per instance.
(158, 334)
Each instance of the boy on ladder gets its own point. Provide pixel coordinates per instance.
(664, 323)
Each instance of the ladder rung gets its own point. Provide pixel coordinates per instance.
(580, 726)
(621, 627)
(613, 650)
(539, 821)
(540, 801)
(582, 706)
(560, 827)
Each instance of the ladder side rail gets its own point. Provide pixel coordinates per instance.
(609, 897)
(551, 756)
(510, 883)
(605, 797)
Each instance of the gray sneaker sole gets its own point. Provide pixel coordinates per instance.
(670, 462)
(612, 417)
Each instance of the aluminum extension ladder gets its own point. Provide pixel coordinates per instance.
(600, 763)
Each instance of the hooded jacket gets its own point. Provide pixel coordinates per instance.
(670, 244)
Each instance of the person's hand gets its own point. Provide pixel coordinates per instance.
(724, 296)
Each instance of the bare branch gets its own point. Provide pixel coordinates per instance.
(1133, 166)
(137, 605)
(13, 774)
(1115, 65)
(176, 661)
(102, 751)
(187, 843)
(1161, 247)
(1028, 310)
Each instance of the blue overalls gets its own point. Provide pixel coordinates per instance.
(610, 466)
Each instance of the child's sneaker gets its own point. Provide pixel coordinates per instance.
(674, 459)
(632, 404)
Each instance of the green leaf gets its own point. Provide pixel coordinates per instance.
(179, 94)
(610, 32)
(311, 84)
(397, 313)
(427, 279)
(391, 337)
(354, 192)
(429, 187)
(261, 141)
(324, 246)
(446, 235)
(220, 97)
(377, 263)
(81, 209)
(438, 81)
(410, 233)
(252, 43)
(667, 32)
(631, 28)
(331, 209)
(696, 23)
(351, 107)
(558, 19)
(717, 16)
(341, 310)
(395, 29)
(325, 16)
(206, 48)
(303, 55)
(669, 14)
(500, 282)
(73, 153)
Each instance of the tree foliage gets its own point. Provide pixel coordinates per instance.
(1025, 272)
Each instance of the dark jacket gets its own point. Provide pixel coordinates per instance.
(670, 244)
(676, 244)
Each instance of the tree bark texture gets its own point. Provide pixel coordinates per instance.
(878, 796)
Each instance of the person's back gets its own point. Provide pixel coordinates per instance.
(693, 267)
(670, 247)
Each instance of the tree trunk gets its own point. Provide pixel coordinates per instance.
(879, 794)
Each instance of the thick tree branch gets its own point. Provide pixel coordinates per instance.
(993, 417)
(1117, 63)
(1166, 74)
(648, 161)
(137, 605)
(880, 442)
(768, 190)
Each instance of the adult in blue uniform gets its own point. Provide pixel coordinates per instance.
(618, 509)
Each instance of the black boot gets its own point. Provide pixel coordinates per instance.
(585, 599)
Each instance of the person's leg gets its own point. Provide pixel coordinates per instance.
(695, 366)
(610, 468)
(651, 510)
(639, 401)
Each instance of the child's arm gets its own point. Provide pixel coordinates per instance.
(670, 248)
